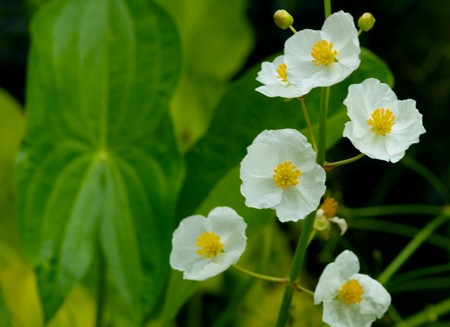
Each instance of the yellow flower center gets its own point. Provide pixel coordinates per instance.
(329, 207)
(286, 174)
(351, 292)
(381, 121)
(282, 74)
(209, 244)
(323, 53)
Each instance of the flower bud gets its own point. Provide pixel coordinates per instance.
(366, 21)
(283, 19)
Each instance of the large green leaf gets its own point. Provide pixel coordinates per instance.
(99, 167)
(243, 113)
(5, 319)
(11, 132)
(216, 39)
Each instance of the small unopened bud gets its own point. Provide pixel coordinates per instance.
(366, 21)
(283, 19)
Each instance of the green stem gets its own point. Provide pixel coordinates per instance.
(322, 143)
(299, 255)
(308, 124)
(423, 317)
(331, 165)
(308, 224)
(283, 315)
(296, 266)
(261, 276)
(410, 248)
(327, 5)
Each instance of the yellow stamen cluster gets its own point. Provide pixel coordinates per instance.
(323, 53)
(282, 74)
(209, 244)
(286, 174)
(381, 121)
(351, 292)
(329, 207)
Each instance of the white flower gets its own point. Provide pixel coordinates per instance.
(381, 126)
(205, 247)
(273, 76)
(325, 57)
(350, 299)
(280, 172)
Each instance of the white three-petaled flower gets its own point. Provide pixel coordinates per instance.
(350, 299)
(381, 126)
(276, 84)
(280, 172)
(325, 57)
(205, 247)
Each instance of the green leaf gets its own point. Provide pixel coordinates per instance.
(99, 166)
(243, 113)
(179, 290)
(5, 319)
(212, 54)
(12, 124)
(11, 131)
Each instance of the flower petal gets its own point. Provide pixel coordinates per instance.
(341, 222)
(375, 300)
(183, 242)
(231, 228)
(338, 314)
(334, 275)
(338, 30)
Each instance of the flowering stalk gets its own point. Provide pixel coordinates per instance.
(302, 245)
(327, 5)
(296, 266)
